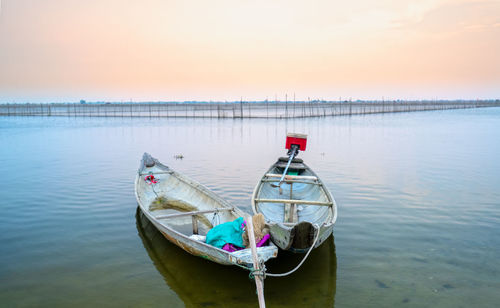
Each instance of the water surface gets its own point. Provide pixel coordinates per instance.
(418, 225)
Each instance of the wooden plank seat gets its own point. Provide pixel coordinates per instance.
(192, 213)
(291, 201)
(292, 177)
(291, 181)
(193, 216)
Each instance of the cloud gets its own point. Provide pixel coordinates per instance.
(117, 47)
(452, 16)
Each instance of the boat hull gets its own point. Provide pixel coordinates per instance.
(315, 208)
(175, 186)
(283, 236)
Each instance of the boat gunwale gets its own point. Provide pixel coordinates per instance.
(328, 194)
(163, 228)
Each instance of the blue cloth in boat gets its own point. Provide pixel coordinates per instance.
(229, 232)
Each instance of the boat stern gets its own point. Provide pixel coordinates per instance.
(300, 237)
(244, 257)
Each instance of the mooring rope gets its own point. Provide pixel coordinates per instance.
(301, 262)
(153, 187)
(262, 271)
(152, 184)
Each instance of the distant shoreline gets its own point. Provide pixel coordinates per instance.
(490, 100)
(266, 110)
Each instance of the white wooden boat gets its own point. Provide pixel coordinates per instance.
(187, 211)
(219, 286)
(300, 210)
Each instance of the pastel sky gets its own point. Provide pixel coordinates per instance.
(66, 50)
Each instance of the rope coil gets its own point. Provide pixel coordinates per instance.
(259, 272)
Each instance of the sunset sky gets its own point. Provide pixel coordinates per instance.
(54, 50)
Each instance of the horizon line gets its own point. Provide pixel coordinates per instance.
(250, 101)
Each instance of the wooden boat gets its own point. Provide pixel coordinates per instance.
(219, 286)
(184, 210)
(300, 210)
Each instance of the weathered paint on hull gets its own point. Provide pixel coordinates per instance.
(194, 247)
(282, 234)
(242, 257)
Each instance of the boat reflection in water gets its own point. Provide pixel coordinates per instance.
(200, 282)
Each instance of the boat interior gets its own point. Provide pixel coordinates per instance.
(300, 198)
(174, 202)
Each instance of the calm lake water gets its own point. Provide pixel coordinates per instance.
(418, 224)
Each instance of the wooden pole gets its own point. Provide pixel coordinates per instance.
(286, 105)
(267, 108)
(276, 103)
(195, 224)
(259, 280)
